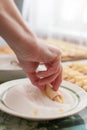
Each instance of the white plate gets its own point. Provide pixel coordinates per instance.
(9, 68)
(22, 99)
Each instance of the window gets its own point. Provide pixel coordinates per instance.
(57, 16)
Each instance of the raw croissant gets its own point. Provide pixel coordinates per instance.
(53, 95)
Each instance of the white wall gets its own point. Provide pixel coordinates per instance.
(57, 18)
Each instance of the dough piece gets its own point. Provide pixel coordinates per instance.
(53, 95)
(80, 67)
(75, 77)
(70, 51)
(6, 50)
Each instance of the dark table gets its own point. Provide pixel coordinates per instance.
(75, 122)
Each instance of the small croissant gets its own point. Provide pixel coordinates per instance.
(53, 95)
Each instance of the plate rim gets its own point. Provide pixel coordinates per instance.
(9, 111)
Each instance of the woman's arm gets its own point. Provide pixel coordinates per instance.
(29, 50)
(12, 26)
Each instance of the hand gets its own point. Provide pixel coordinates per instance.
(44, 54)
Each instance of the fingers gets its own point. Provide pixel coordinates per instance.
(34, 80)
(48, 79)
(54, 77)
(51, 69)
(56, 83)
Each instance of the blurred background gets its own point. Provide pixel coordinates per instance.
(60, 19)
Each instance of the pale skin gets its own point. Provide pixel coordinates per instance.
(30, 51)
